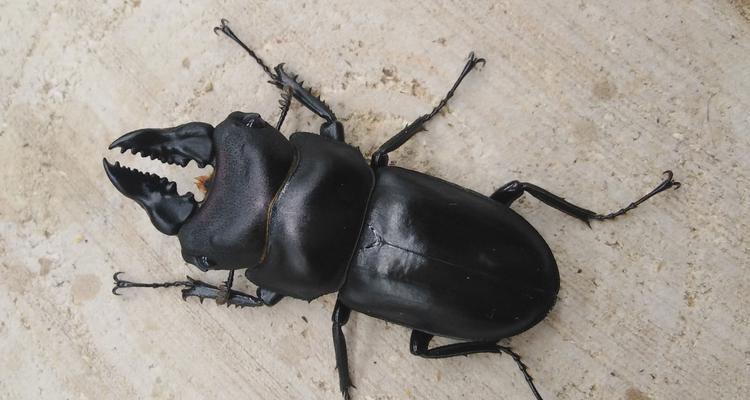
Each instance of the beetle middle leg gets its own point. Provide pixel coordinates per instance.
(511, 191)
(195, 288)
(420, 341)
(380, 157)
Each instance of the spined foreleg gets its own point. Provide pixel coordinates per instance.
(223, 294)
(290, 83)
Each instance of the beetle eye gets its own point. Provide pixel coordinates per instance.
(206, 262)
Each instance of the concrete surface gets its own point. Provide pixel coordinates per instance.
(589, 99)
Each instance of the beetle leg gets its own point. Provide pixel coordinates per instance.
(224, 294)
(420, 341)
(513, 190)
(123, 284)
(332, 128)
(380, 157)
(201, 290)
(340, 317)
(222, 297)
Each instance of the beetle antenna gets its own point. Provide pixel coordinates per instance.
(225, 29)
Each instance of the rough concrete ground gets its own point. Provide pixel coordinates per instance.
(589, 99)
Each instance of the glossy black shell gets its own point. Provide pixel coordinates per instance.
(314, 220)
(448, 261)
(403, 246)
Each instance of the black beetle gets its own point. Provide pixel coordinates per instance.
(308, 216)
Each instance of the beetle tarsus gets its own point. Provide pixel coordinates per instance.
(523, 368)
(222, 296)
(123, 284)
(225, 29)
(224, 24)
(669, 182)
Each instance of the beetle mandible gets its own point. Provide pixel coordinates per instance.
(308, 216)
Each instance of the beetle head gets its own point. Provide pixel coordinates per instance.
(227, 229)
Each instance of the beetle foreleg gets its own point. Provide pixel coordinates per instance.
(122, 284)
(340, 317)
(331, 128)
(202, 290)
(225, 29)
(513, 190)
(222, 295)
(420, 341)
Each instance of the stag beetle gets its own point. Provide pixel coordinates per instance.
(308, 216)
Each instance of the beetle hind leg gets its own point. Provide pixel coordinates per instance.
(420, 341)
(511, 191)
